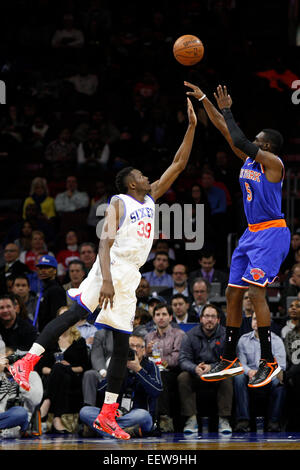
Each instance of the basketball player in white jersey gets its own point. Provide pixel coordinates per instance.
(126, 240)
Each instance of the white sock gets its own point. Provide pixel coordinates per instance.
(110, 398)
(36, 349)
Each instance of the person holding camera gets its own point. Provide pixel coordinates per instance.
(140, 390)
(16, 405)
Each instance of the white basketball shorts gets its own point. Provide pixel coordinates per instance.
(125, 278)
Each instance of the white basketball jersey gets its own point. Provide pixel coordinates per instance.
(134, 237)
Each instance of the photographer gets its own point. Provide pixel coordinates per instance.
(16, 405)
(141, 387)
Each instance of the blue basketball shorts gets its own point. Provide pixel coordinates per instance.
(258, 256)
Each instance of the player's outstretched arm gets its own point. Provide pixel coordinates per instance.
(112, 218)
(270, 161)
(159, 187)
(214, 115)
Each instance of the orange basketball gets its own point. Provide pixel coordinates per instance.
(188, 49)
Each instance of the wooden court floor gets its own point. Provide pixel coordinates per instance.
(168, 442)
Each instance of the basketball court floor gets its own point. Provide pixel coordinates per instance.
(168, 442)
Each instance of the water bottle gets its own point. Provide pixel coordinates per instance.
(259, 425)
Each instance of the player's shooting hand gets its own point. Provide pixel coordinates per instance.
(223, 99)
(196, 93)
(107, 293)
(191, 113)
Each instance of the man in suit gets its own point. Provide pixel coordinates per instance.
(208, 272)
(181, 286)
(180, 307)
(12, 266)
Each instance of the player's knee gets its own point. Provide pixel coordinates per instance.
(232, 293)
(256, 293)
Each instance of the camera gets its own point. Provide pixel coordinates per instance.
(131, 355)
(13, 358)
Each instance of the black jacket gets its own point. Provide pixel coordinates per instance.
(20, 336)
(53, 297)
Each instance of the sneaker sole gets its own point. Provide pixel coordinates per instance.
(109, 431)
(222, 375)
(25, 386)
(267, 380)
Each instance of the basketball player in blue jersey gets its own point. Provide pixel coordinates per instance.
(125, 243)
(263, 246)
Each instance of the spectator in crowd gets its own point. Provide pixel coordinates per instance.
(200, 291)
(37, 221)
(158, 276)
(71, 200)
(39, 195)
(61, 152)
(143, 293)
(292, 375)
(207, 271)
(248, 310)
(248, 352)
(17, 405)
(93, 154)
(87, 332)
(68, 36)
(140, 390)
(17, 334)
(88, 254)
(53, 295)
(12, 267)
(65, 374)
(167, 340)
(293, 317)
(21, 287)
(291, 289)
(180, 309)
(216, 196)
(200, 349)
(100, 197)
(76, 272)
(290, 259)
(101, 352)
(23, 241)
(38, 248)
(141, 318)
(180, 280)
(69, 253)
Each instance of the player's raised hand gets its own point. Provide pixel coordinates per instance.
(191, 113)
(223, 99)
(107, 293)
(196, 93)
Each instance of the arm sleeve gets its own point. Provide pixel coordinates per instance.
(238, 137)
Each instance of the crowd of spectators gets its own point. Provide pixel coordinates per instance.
(92, 86)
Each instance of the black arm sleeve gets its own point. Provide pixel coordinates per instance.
(238, 137)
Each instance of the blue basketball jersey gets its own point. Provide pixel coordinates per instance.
(262, 199)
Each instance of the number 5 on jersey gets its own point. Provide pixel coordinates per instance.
(144, 230)
(249, 192)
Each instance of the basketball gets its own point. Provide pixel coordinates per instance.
(188, 50)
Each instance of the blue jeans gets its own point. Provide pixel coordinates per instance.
(275, 400)
(14, 416)
(139, 416)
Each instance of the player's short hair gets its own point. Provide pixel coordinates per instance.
(121, 179)
(275, 139)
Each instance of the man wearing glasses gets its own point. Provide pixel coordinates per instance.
(200, 349)
(12, 266)
(141, 387)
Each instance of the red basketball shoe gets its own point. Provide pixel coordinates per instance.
(106, 421)
(21, 369)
